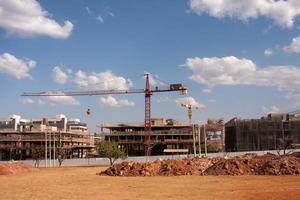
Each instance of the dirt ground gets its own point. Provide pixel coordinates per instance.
(83, 183)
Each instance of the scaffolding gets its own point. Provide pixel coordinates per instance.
(266, 133)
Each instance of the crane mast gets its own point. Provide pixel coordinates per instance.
(190, 112)
(147, 117)
(147, 91)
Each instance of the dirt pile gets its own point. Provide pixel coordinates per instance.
(287, 165)
(256, 165)
(15, 168)
(188, 166)
(268, 164)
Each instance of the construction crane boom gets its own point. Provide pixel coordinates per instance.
(100, 92)
(147, 91)
(103, 92)
(84, 93)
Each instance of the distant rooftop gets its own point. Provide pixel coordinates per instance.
(155, 122)
(296, 112)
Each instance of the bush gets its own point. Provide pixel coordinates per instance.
(38, 153)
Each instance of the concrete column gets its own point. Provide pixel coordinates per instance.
(50, 149)
(205, 146)
(199, 139)
(194, 140)
(54, 146)
(46, 150)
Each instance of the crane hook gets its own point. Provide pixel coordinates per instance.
(88, 112)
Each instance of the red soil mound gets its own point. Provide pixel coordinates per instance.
(187, 166)
(257, 165)
(15, 168)
(268, 164)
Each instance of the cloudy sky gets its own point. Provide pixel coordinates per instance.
(238, 58)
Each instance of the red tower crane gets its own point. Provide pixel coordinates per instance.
(147, 91)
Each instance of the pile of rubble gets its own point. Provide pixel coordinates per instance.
(246, 165)
(15, 168)
(188, 166)
(256, 165)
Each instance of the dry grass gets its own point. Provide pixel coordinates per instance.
(83, 183)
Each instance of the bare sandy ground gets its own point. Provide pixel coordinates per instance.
(83, 183)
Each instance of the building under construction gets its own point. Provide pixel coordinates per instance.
(215, 135)
(18, 137)
(167, 136)
(276, 131)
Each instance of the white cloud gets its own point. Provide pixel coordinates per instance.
(101, 81)
(64, 100)
(112, 102)
(27, 101)
(52, 101)
(27, 18)
(154, 80)
(40, 102)
(282, 12)
(59, 76)
(272, 109)
(190, 101)
(100, 19)
(234, 71)
(294, 47)
(88, 10)
(162, 99)
(294, 98)
(18, 68)
(214, 71)
(268, 52)
(206, 90)
(111, 14)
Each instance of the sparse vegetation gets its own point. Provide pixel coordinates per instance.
(111, 151)
(284, 144)
(62, 154)
(38, 154)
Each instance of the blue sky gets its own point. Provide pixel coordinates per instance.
(233, 73)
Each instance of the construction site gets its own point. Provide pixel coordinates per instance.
(147, 91)
(150, 100)
(154, 137)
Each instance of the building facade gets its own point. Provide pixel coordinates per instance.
(267, 133)
(165, 135)
(18, 137)
(215, 135)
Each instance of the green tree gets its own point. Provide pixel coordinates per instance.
(110, 150)
(62, 154)
(212, 148)
(38, 154)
